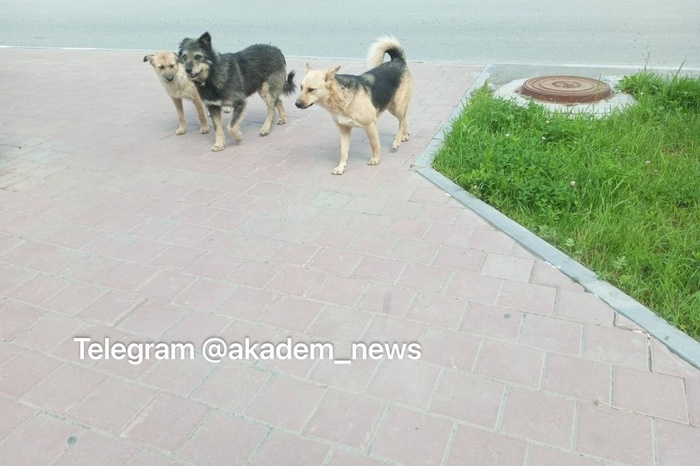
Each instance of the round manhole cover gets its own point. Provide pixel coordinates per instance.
(566, 89)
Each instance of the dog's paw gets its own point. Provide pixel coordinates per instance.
(181, 131)
(373, 161)
(204, 130)
(396, 144)
(236, 133)
(217, 147)
(227, 109)
(282, 121)
(264, 132)
(338, 170)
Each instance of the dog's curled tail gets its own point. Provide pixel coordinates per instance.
(289, 86)
(385, 44)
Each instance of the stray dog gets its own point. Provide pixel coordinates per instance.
(357, 101)
(229, 78)
(178, 86)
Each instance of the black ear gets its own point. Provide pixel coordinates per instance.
(148, 58)
(205, 39)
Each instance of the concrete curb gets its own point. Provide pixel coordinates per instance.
(678, 342)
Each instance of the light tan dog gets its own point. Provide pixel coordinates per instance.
(357, 101)
(178, 86)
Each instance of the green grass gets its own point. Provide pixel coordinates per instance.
(620, 194)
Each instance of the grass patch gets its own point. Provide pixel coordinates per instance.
(620, 194)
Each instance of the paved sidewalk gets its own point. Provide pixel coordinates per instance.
(112, 226)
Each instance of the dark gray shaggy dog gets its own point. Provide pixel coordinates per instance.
(229, 78)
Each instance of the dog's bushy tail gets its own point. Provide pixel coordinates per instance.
(289, 86)
(385, 44)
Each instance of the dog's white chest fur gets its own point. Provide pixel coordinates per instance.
(346, 121)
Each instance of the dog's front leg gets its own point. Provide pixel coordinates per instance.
(220, 142)
(238, 111)
(204, 126)
(344, 148)
(373, 135)
(180, 116)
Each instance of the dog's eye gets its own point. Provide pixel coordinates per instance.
(160, 67)
(184, 56)
(311, 89)
(197, 56)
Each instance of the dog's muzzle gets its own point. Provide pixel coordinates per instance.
(169, 77)
(302, 105)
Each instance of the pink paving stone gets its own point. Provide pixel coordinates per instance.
(468, 398)
(546, 274)
(459, 258)
(424, 277)
(142, 250)
(354, 376)
(91, 268)
(578, 378)
(147, 458)
(412, 438)
(58, 261)
(614, 435)
(38, 289)
(475, 446)
(27, 252)
(286, 402)
(429, 195)
(474, 287)
(73, 299)
(538, 417)
(246, 303)
(388, 329)
(450, 348)
(225, 220)
(645, 392)
(414, 251)
(347, 458)
(346, 418)
(277, 448)
(52, 434)
(231, 386)
(254, 274)
(113, 405)
(92, 448)
(379, 269)
(178, 376)
(295, 281)
(583, 307)
(291, 313)
(204, 294)
(339, 290)
(528, 297)
(49, 331)
(336, 261)
(196, 327)
(153, 228)
(151, 319)
(186, 234)
(336, 237)
(551, 334)
(194, 213)
(177, 257)
(510, 363)
(541, 456)
(404, 381)
(377, 245)
(439, 214)
(166, 423)
(108, 244)
(407, 228)
(437, 309)
(294, 254)
(223, 439)
(76, 237)
(495, 321)
(65, 388)
(340, 323)
(507, 267)
(386, 299)
(214, 265)
(693, 390)
(16, 317)
(13, 415)
(615, 346)
(677, 444)
(456, 235)
(111, 307)
(11, 277)
(294, 366)
(665, 362)
(165, 284)
(127, 276)
(491, 241)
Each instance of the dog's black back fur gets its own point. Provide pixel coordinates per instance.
(381, 82)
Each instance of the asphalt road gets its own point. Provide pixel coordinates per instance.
(607, 32)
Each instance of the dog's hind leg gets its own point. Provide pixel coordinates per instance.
(373, 134)
(280, 110)
(239, 106)
(344, 148)
(270, 102)
(180, 116)
(204, 126)
(220, 141)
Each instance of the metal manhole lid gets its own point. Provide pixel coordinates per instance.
(566, 89)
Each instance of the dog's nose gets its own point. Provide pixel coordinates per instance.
(299, 104)
(169, 77)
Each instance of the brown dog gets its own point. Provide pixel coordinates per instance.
(178, 86)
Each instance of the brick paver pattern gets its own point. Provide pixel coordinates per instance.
(113, 226)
